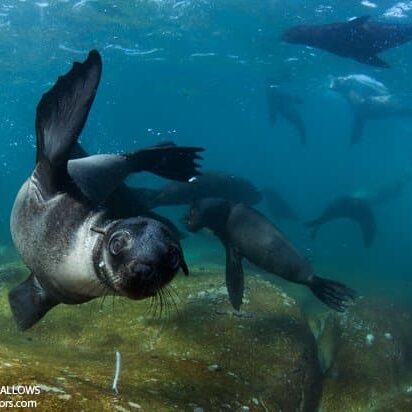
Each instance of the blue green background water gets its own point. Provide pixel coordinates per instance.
(195, 72)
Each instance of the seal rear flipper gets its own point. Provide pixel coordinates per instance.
(333, 294)
(313, 227)
(29, 302)
(234, 277)
(99, 176)
(61, 115)
(357, 129)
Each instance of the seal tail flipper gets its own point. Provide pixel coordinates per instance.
(313, 226)
(234, 277)
(61, 115)
(333, 294)
(29, 302)
(357, 129)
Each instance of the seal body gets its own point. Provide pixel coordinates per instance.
(246, 233)
(281, 103)
(359, 39)
(59, 244)
(369, 99)
(59, 226)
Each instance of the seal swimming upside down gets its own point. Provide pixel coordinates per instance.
(245, 233)
(74, 250)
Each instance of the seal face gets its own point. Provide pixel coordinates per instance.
(139, 256)
(75, 249)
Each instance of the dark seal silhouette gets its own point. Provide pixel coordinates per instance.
(359, 39)
(209, 184)
(348, 207)
(281, 103)
(245, 233)
(75, 251)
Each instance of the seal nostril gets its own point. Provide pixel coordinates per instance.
(143, 271)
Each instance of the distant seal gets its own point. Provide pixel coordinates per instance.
(245, 233)
(281, 103)
(369, 99)
(359, 39)
(74, 251)
(277, 206)
(348, 207)
(209, 184)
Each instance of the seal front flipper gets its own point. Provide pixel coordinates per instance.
(29, 302)
(235, 283)
(168, 161)
(99, 176)
(333, 294)
(358, 127)
(61, 115)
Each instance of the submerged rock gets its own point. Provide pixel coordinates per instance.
(201, 355)
(366, 355)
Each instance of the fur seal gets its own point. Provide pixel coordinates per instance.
(278, 207)
(359, 39)
(74, 251)
(284, 104)
(348, 207)
(209, 184)
(245, 233)
(369, 99)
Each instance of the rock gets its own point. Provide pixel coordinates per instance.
(270, 352)
(366, 354)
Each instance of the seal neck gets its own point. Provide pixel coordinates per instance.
(101, 270)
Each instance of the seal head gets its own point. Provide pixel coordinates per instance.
(138, 256)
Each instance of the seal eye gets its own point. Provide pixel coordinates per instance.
(118, 242)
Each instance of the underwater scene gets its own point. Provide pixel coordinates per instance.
(206, 205)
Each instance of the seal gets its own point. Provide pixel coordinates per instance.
(74, 250)
(125, 201)
(277, 206)
(209, 184)
(355, 208)
(369, 100)
(284, 104)
(245, 233)
(359, 39)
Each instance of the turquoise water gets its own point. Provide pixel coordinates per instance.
(195, 72)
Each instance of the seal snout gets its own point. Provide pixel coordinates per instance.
(143, 271)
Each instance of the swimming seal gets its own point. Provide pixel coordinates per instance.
(209, 184)
(369, 99)
(359, 39)
(348, 207)
(284, 104)
(74, 251)
(245, 233)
